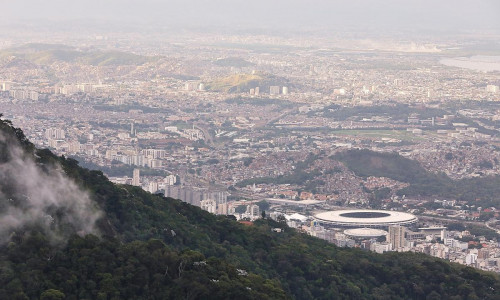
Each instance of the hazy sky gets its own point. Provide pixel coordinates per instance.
(439, 15)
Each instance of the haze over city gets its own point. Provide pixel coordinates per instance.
(429, 17)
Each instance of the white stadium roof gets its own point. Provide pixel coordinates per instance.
(365, 218)
(299, 217)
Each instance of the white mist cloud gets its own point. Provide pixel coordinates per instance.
(30, 196)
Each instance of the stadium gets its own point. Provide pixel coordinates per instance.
(365, 218)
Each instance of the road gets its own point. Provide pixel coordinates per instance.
(492, 228)
(208, 137)
(264, 123)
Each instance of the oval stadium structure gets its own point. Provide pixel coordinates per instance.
(365, 218)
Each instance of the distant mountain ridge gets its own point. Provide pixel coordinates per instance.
(236, 62)
(241, 83)
(44, 54)
(151, 247)
(481, 191)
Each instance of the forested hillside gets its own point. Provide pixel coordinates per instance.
(144, 246)
(477, 191)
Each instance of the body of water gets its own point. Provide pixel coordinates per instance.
(477, 62)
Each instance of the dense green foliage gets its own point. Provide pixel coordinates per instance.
(396, 112)
(477, 191)
(474, 230)
(127, 107)
(299, 176)
(236, 62)
(237, 83)
(259, 101)
(401, 112)
(152, 247)
(93, 268)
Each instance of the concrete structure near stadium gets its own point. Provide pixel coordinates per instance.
(365, 218)
(365, 233)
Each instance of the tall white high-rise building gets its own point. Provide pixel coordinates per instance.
(170, 180)
(154, 153)
(398, 82)
(55, 133)
(136, 179)
(209, 205)
(253, 210)
(137, 160)
(74, 147)
(153, 187)
(492, 88)
(4, 86)
(274, 90)
(396, 237)
(33, 95)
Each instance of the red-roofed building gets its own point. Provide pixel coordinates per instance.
(247, 223)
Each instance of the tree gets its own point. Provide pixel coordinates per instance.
(247, 161)
(240, 209)
(433, 296)
(486, 164)
(281, 219)
(231, 217)
(263, 205)
(52, 294)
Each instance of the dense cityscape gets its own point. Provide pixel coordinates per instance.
(228, 149)
(253, 126)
